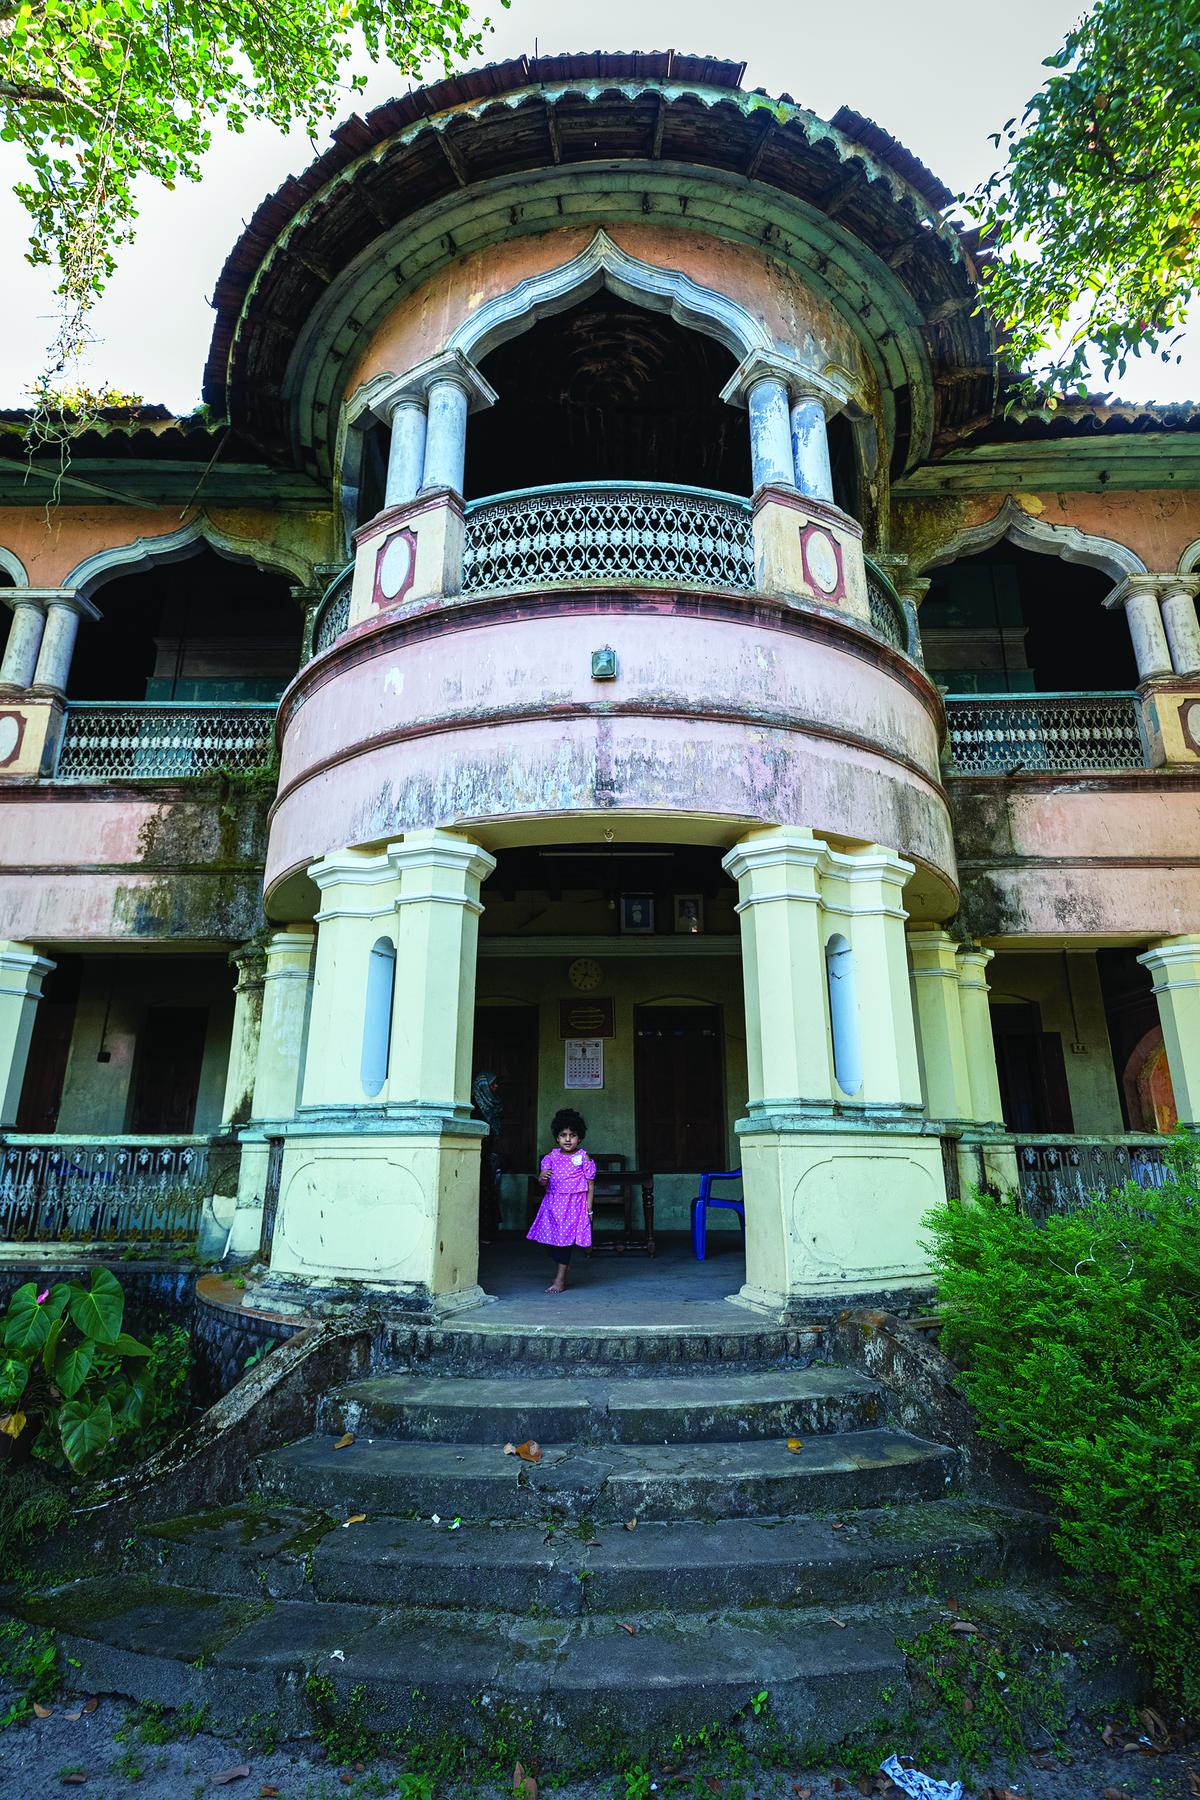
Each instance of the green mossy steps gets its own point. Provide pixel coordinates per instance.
(481, 1590)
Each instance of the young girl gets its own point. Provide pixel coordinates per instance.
(568, 1175)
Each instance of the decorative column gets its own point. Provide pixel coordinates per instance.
(24, 636)
(933, 956)
(286, 991)
(871, 883)
(406, 456)
(977, 1035)
(1179, 620)
(379, 1187)
(1174, 967)
(835, 1188)
(243, 1043)
(22, 972)
(64, 610)
(413, 549)
(810, 445)
(1138, 594)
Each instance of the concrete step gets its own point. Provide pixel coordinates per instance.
(723, 1407)
(476, 1344)
(942, 1546)
(757, 1479)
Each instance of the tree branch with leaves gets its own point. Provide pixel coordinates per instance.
(1094, 220)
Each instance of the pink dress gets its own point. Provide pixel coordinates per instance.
(562, 1218)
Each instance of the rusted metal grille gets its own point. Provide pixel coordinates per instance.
(162, 740)
(886, 616)
(1060, 1177)
(333, 614)
(605, 532)
(127, 1191)
(1000, 734)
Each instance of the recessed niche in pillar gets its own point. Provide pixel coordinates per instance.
(843, 1014)
(377, 1016)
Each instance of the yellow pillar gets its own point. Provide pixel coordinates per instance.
(380, 1179)
(837, 1179)
(22, 972)
(243, 1039)
(977, 1035)
(933, 955)
(1174, 967)
(286, 989)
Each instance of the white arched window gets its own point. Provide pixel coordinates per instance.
(843, 1014)
(377, 1016)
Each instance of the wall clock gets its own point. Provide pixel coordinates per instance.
(585, 974)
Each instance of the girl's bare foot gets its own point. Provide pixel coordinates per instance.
(556, 1287)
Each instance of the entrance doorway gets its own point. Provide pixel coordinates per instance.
(679, 1087)
(506, 1042)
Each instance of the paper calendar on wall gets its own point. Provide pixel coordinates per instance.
(583, 1062)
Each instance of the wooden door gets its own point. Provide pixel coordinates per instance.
(49, 1049)
(679, 1088)
(170, 1053)
(506, 1042)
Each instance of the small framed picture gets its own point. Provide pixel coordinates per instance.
(689, 914)
(637, 915)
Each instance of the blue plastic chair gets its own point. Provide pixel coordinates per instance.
(704, 1200)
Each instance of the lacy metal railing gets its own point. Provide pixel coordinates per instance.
(111, 740)
(1001, 734)
(606, 531)
(887, 614)
(1058, 1174)
(333, 613)
(101, 1190)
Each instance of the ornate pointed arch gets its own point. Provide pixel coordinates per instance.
(12, 566)
(146, 553)
(1031, 533)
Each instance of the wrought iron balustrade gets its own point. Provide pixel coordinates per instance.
(1000, 734)
(1058, 1175)
(333, 614)
(111, 740)
(101, 1190)
(887, 615)
(608, 532)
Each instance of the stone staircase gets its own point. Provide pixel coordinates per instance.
(668, 1557)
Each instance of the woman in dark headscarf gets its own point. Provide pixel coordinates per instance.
(485, 1098)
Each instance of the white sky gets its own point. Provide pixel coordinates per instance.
(940, 75)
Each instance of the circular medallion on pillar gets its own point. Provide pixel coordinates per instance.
(395, 565)
(823, 562)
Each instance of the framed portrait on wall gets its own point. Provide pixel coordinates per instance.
(637, 915)
(689, 914)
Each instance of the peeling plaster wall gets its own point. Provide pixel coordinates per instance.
(773, 294)
(51, 550)
(1157, 525)
(488, 723)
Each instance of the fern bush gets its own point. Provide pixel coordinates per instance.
(1079, 1345)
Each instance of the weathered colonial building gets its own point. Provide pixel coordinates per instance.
(602, 602)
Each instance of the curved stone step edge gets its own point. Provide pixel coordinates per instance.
(610, 1481)
(686, 1567)
(490, 1346)
(450, 1409)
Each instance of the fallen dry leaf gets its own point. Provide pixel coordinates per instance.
(631, 1524)
(795, 1444)
(90, 1706)
(1194, 1781)
(966, 1627)
(839, 1525)
(346, 1780)
(838, 1785)
(631, 1629)
(593, 1544)
(42, 1712)
(840, 1623)
(73, 1716)
(267, 1792)
(523, 1784)
(530, 1450)
(344, 1443)
(510, 1449)
(238, 1773)
(802, 1793)
(1112, 1793)
(950, 1603)
(75, 1778)
(713, 1785)
(356, 1519)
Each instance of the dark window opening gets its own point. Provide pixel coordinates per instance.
(608, 392)
(6, 613)
(1131, 1013)
(1011, 621)
(843, 464)
(202, 629)
(1032, 1070)
(372, 473)
(679, 1088)
(50, 1047)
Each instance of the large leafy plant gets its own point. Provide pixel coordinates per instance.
(69, 1374)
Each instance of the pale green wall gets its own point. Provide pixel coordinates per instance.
(1091, 1080)
(96, 1096)
(631, 981)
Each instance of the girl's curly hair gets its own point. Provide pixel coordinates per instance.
(567, 1119)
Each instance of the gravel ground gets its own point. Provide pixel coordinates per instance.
(108, 1748)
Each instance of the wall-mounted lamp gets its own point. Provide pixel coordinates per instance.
(604, 664)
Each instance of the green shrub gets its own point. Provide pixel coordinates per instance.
(80, 1386)
(1079, 1341)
